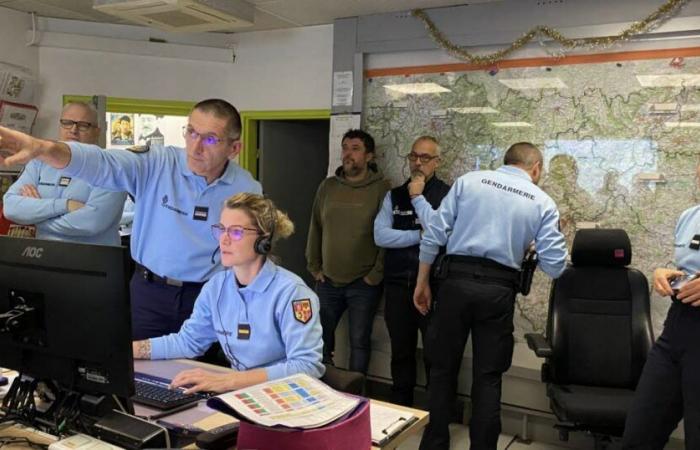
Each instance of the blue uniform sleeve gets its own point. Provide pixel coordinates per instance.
(550, 244)
(195, 335)
(27, 210)
(302, 341)
(440, 225)
(386, 236)
(114, 169)
(424, 210)
(100, 211)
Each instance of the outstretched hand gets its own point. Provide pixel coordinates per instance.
(17, 147)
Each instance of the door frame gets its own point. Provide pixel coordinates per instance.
(248, 158)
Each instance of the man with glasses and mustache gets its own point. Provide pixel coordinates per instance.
(398, 228)
(340, 250)
(60, 206)
(177, 192)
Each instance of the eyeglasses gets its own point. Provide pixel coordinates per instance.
(423, 157)
(235, 232)
(208, 140)
(82, 126)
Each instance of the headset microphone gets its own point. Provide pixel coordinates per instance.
(214, 254)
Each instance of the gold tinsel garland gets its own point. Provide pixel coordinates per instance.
(666, 11)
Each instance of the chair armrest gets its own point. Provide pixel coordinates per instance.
(538, 344)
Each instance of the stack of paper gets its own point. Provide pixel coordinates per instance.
(298, 401)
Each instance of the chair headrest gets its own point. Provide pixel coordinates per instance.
(601, 247)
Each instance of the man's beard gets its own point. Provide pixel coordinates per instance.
(352, 169)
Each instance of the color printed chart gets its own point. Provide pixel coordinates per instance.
(299, 401)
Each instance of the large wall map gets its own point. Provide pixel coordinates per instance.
(621, 143)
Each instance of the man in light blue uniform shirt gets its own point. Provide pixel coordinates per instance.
(177, 192)
(668, 388)
(62, 207)
(487, 220)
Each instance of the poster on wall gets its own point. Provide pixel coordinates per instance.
(16, 84)
(121, 130)
(17, 116)
(125, 130)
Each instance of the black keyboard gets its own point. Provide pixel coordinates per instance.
(154, 391)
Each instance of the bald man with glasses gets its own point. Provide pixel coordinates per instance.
(60, 206)
(398, 228)
(178, 194)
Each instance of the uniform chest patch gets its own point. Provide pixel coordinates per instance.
(302, 310)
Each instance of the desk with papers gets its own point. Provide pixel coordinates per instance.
(201, 418)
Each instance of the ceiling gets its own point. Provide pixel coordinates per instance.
(269, 14)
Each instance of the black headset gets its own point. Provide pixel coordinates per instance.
(263, 244)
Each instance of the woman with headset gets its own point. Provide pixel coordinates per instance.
(264, 316)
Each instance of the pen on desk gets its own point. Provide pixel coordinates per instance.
(172, 410)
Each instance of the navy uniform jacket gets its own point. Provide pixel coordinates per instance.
(398, 226)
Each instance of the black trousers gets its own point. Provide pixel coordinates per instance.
(403, 322)
(669, 388)
(483, 307)
(158, 309)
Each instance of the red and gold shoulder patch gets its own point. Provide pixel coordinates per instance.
(302, 310)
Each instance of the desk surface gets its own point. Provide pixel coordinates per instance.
(202, 417)
(205, 418)
(13, 430)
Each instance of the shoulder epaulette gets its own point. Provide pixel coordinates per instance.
(139, 148)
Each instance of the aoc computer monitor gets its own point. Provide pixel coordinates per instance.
(65, 314)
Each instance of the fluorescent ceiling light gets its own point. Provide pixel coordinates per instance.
(474, 110)
(682, 124)
(663, 107)
(417, 88)
(534, 83)
(511, 124)
(676, 80)
(673, 107)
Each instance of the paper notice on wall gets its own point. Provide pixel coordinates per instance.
(16, 84)
(339, 125)
(342, 88)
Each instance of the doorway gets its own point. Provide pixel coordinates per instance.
(289, 155)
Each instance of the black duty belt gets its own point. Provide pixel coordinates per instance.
(148, 275)
(474, 267)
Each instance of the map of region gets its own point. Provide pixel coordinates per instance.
(621, 142)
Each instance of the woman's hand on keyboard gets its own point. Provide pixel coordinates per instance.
(198, 380)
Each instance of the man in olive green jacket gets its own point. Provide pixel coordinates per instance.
(340, 252)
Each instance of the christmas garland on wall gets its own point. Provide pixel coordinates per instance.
(655, 19)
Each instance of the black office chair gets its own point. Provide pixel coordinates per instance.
(344, 380)
(598, 335)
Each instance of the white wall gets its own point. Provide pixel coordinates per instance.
(273, 70)
(13, 48)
